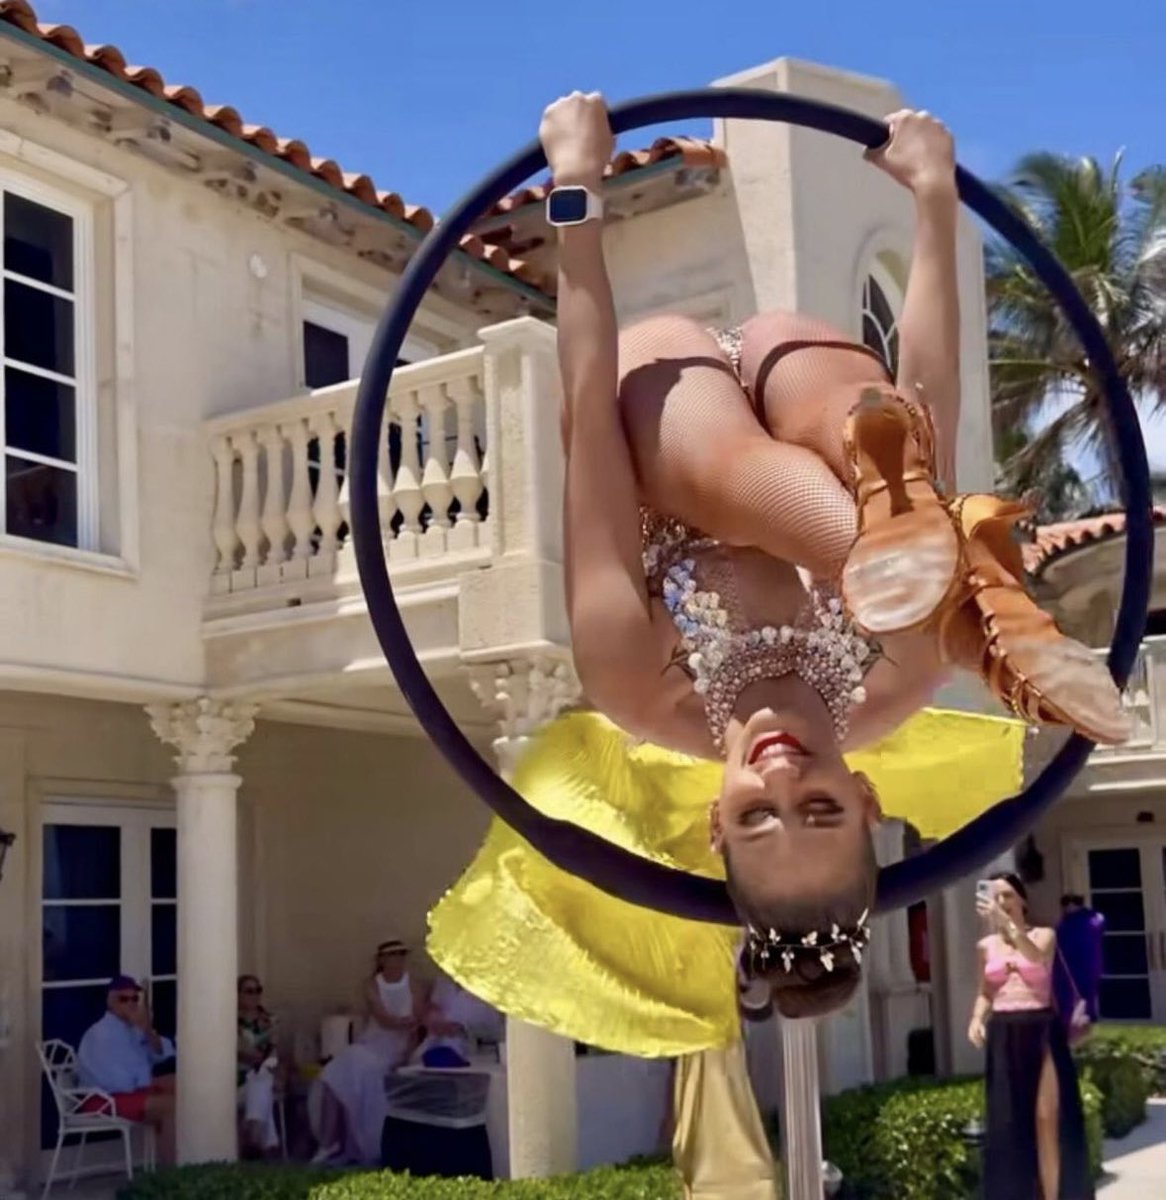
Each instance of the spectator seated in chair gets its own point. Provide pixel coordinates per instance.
(118, 1054)
(259, 1073)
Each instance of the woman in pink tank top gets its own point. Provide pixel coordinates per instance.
(1035, 1146)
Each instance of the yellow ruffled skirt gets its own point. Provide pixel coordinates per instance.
(550, 949)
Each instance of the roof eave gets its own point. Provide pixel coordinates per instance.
(207, 131)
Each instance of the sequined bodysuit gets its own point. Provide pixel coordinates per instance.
(723, 651)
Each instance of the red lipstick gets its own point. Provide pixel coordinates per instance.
(772, 745)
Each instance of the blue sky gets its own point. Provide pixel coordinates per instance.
(425, 96)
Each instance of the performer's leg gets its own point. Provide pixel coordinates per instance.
(805, 395)
(701, 454)
(1048, 1130)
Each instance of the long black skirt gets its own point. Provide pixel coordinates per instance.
(1016, 1046)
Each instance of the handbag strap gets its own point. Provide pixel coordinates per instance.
(1077, 998)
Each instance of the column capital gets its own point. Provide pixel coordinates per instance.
(203, 731)
(525, 693)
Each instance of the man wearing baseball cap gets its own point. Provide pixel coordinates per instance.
(118, 1054)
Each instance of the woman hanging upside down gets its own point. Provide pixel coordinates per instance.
(764, 567)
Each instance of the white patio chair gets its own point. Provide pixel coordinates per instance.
(59, 1062)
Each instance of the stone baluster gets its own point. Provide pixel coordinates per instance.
(435, 485)
(327, 507)
(344, 414)
(465, 476)
(274, 519)
(248, 526)
(204, 733)
(407, 494)
(522, 695)
(226, 539)
(486, 535)
(299, 505)
(386, 505)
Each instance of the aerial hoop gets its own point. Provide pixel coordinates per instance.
(601, 863)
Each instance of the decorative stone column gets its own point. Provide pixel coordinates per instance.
(524, 694)
(205, 732)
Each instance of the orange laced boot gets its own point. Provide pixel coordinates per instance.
(906, 563)
(998, 632)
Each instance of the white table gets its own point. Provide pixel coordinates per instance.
(621, 1103)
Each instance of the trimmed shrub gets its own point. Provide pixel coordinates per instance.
(904, 1140)
(260, 1181)
(1124, 1090)
(1144, 1045)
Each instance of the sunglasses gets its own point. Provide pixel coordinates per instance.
(127, 998)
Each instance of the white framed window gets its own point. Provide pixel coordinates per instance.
(882, 302)
(336, 341)
(48, 422)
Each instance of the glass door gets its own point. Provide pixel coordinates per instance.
(1124, 879)
(108, 905)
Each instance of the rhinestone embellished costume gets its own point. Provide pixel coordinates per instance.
(723, 657)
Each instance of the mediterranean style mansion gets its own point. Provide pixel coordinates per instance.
(204, 759)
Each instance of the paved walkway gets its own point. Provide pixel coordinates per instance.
(1135, 1167)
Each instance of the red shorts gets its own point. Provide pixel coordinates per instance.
(130, 1106)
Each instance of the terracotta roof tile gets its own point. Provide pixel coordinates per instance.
(1052, 541)
(692, 152)
(21, 14)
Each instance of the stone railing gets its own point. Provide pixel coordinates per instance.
(281, 511)
(1145, 700)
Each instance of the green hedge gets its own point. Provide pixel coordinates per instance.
(898, 1141)
(1142, 1044)
(1124, 1090)
(903, 1140)
(258, 1181)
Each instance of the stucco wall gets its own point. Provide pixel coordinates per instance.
(197, 313)
(353, 838)
(345, 839)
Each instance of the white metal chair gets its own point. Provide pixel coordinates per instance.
(82, 1111)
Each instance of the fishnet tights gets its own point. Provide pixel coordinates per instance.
(701, 453)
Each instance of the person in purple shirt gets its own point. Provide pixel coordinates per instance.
(1078, 970)
(118, 1055)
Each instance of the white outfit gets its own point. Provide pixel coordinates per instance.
(356, 1076)
(257, 1096)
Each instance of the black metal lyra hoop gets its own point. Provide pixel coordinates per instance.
(609, 867)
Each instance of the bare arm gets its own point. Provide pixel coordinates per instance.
(607, 596)
(921, 156)
(929, 329)
(982, 1008)
(1037, 945)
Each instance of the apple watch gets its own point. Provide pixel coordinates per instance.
(573, 206)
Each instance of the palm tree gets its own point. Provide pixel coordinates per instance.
(1046, 399)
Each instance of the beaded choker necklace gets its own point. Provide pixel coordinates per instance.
(821, 646)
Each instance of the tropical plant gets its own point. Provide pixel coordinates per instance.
(1047, 398)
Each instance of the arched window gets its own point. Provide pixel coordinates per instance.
(880, 329)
